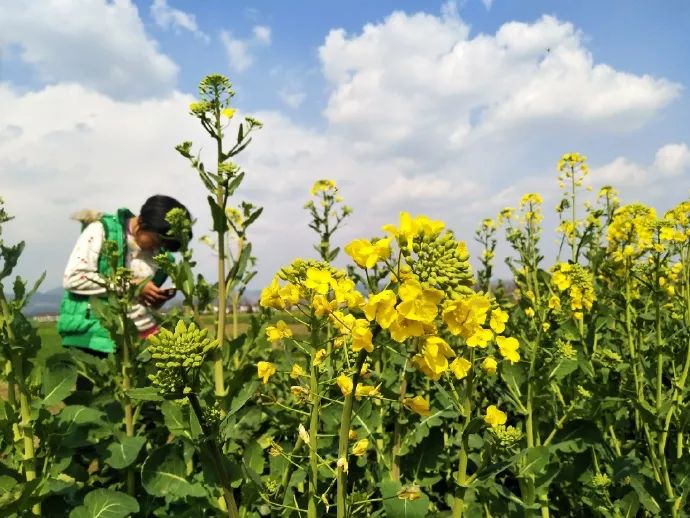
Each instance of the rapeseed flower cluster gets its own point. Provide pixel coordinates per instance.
(576, 282)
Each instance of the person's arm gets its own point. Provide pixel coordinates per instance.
(81, 274)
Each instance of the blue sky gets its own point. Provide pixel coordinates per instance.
(453, 109)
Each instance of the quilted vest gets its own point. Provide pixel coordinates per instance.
(77, 325)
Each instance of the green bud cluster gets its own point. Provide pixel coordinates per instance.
(177, 356)
(505, 437)
(296, 273)
(566, 350)
(440, 262)
(582, 391)
(601, 481)
(213, 415)
(608, 358)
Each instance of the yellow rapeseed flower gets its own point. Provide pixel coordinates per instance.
(465, 316)
(418, 303)
(498, 320)
(460, 367)
(433, 359)
(319, 357)
(489, 365)
(480, 338)
(360, 447)
(278, 332)
(265, 370)
(319, 280)
(366, 391)
(362, 336)
(296, 371)
(366, 254)
(345, 384)
(417, 404)
(381, 307)
(508, 347)
(494, 417)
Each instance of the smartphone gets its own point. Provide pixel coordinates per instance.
(170, 292)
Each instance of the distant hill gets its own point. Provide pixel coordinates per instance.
(48, 302)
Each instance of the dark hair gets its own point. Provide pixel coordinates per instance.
(152, 219)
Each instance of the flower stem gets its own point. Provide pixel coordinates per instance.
(216, 457)
(345, 419)
(313, 424)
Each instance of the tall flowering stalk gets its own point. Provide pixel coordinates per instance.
(425, 296)
(215, 114)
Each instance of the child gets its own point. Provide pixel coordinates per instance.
(139, 238)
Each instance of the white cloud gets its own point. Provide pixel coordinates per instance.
(262, 34)
(669, 161)
(240, 51)
(168, 17)
(291, 98)
(414, 80)
(98, 43)
(672, 159)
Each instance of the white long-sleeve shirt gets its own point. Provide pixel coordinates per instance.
(82, 277)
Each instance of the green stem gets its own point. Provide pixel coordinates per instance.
(26, 425)
(218, 370)
(216, 456)
(459, 497)
(127, 403)
(346, 416)
(313, 425)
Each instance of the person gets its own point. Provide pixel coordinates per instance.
(139, 239)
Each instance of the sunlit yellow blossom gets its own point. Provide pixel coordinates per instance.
(545, 326)
(366, 391)
(360, 447)
(409, 228)
(228, 113)
(345, 384)
(460, 367)
(555, 303)
(403, 328)
(344, 322)
(352, 434)
(296, 371)
(322, 185)
(270, 296)
(319, 357)
(319, 280)
(381, 307)
(366, 254)
(289, 295)
(433, 359)
(529, 312)
(417, 404)
(265, 370)
(494, 417)
(418, 303)
(489, 365)
(498, 320)
(464, 317)
(561, 280)
(508, 347)
(322, 306)
(362, 336)
(364, 369)
(278, 332)
(480, 338)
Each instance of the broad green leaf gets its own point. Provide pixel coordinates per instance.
(649, 492)
(145, 394)
(59, 378)
(576, 435)
(402, 508)
(124, 452)
(220, 223)
(254, 457)
(629, 505)
(106, 503)
(174, 418)
(244, 395)
(533, 461)
(164, 473)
